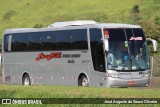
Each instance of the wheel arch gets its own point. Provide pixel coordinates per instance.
(25, 73)
(80, 76)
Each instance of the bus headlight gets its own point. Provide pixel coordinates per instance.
(113, 75)
(146, 74)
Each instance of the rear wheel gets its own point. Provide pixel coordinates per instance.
(26, 80)
(83, 81)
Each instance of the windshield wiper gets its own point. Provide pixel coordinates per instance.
(132, 60)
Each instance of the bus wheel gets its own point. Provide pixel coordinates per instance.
(26, 80)
(84, 81)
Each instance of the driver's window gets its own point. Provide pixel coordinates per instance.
(97, 50)
(100, 62)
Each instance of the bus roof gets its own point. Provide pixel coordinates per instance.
(72, 25)
(116, 25)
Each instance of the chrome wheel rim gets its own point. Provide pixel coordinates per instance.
(26, 81)
(85, 82)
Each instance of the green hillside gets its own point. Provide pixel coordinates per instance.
(38, 13)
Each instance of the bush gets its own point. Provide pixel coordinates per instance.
(38, 26)
(156, 65)
(157, 20)
(9, 14)
(135, 14)
(151, 30)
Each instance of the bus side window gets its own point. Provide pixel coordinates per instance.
(97, 50)
(79, 39)
(19, 42)
(63, 40)
(48, 41)
(100, 62)
(34, 41)
(6, 40)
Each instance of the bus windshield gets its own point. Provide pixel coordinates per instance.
(127, 49)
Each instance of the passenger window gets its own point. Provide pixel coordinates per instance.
(19, 42)
(34, 41)
(63, 40)
(79, 39)
(48, 41)
(6, 40)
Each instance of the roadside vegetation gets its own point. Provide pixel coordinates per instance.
(15, 91)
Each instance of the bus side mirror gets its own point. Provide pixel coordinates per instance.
(154, 43)
(106, 45)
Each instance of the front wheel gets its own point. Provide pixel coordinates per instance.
(26, 80)
(84, 81)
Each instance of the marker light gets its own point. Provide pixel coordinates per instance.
(106, 34)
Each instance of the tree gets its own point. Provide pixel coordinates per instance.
(135, 16)
(151, 30)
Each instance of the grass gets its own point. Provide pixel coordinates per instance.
(16, 91)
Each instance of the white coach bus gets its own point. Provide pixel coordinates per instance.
(78, 53)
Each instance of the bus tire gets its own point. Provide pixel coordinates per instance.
(83, 81)
(26, 80)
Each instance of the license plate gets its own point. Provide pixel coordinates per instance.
(131, 82)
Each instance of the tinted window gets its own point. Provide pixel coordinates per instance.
(117, 35)
(139, 33)
(6, 38)
(19, 42)
(52, 40)
(48, 41)
(34, 41)
(63, 40)
(79, 39)
(97, 50)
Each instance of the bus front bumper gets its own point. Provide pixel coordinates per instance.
(118, 82)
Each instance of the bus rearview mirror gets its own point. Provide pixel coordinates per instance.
(154, 43)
